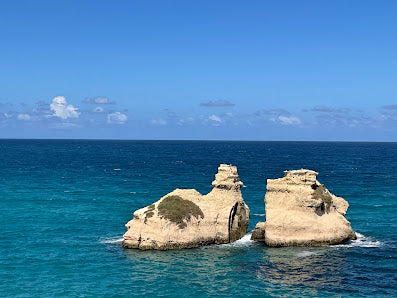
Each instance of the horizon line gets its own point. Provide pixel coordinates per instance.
(193, 140)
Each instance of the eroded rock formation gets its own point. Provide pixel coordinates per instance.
(184, 218)
(300, 211)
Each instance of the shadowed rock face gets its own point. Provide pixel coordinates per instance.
(184, 218)
(300, 211)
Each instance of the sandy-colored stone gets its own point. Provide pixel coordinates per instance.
(300, 211)
(221, 216)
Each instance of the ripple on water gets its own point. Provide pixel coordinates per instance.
(112, 240)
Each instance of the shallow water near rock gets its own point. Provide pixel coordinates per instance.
(63, 206)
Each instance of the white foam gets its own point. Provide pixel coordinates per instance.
(305, 253)
(362, 241)
(117, 169)
(112, 240)
(244, 241)
(259, 214)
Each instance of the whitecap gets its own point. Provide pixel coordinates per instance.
(111, 240)
(133, 192)
(117, 169)
(259, 214)
(361, 241)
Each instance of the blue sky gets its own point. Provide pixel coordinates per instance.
(238, 70)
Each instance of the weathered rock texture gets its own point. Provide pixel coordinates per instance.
(300, 211)
(184, 218)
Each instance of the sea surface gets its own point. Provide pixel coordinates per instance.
(64, 203)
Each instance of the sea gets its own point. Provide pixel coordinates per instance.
(64, 204)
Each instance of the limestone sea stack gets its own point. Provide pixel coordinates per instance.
(300, 211)
(184, 218)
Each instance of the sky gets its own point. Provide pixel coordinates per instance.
(201, 70)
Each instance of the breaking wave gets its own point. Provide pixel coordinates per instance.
(362, 241)
(244, 241)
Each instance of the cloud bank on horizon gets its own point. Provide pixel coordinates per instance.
(262, 70)
(59, 114)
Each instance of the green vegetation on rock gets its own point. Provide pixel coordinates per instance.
(149, 212)
(321, 193)
(177, 210)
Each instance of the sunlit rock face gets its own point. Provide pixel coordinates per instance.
(184, 218)
(300, 211)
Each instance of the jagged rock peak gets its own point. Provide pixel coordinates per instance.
(227, 178)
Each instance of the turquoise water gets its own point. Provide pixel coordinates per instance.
(64, 203)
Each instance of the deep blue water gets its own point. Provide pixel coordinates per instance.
(64, 203)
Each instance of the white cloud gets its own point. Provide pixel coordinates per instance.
(99, 100)
(289, 120)
(104, 100)
(116, 118)
(7, 115)
(217, 103)
(61, 109)
(158, 122)
(215, 118)
(98, 110)
(67, 125)
(185, 121)
(25, 117)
